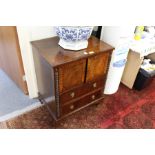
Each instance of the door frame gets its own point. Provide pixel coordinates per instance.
(26, 34)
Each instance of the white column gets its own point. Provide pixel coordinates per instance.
(120, 38)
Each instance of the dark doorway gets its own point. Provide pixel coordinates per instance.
(97, 31)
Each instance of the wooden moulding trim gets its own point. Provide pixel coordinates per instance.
(57, 100)
(107, 68)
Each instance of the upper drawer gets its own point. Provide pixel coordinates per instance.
(71, 75)
(81, 90)
(97, 66)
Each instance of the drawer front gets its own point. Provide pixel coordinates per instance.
(66, 109)
(71, 75)
(97, 66)
(82, 90)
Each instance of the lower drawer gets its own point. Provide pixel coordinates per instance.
(68, 108)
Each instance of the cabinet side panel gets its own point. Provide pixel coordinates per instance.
(45, 75)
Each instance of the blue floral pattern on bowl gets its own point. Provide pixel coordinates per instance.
(72, 34)
(74, 37)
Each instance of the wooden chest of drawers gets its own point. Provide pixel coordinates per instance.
(79, 76)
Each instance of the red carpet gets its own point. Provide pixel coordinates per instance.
(126, 109)
(131, 109)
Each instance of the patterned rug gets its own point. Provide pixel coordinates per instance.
(126, 109)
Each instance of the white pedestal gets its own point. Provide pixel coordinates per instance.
(78, 45)
(119, 37)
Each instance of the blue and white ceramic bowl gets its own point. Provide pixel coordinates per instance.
(74, 37)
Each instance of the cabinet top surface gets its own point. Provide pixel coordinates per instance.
(56, 55)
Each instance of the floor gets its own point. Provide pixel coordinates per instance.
(126, 109)
(12, 99)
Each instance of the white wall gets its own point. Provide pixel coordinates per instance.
(111, 34)
(27, 34)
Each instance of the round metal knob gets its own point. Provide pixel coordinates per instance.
(94, 85)
(93, 97)
(72, 107)
(72, 94)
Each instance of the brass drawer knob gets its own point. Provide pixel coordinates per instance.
(93, 97)
(72, 94)
(94, 85)
(72, 107)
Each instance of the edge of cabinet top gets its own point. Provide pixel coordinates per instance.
(56, 55)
